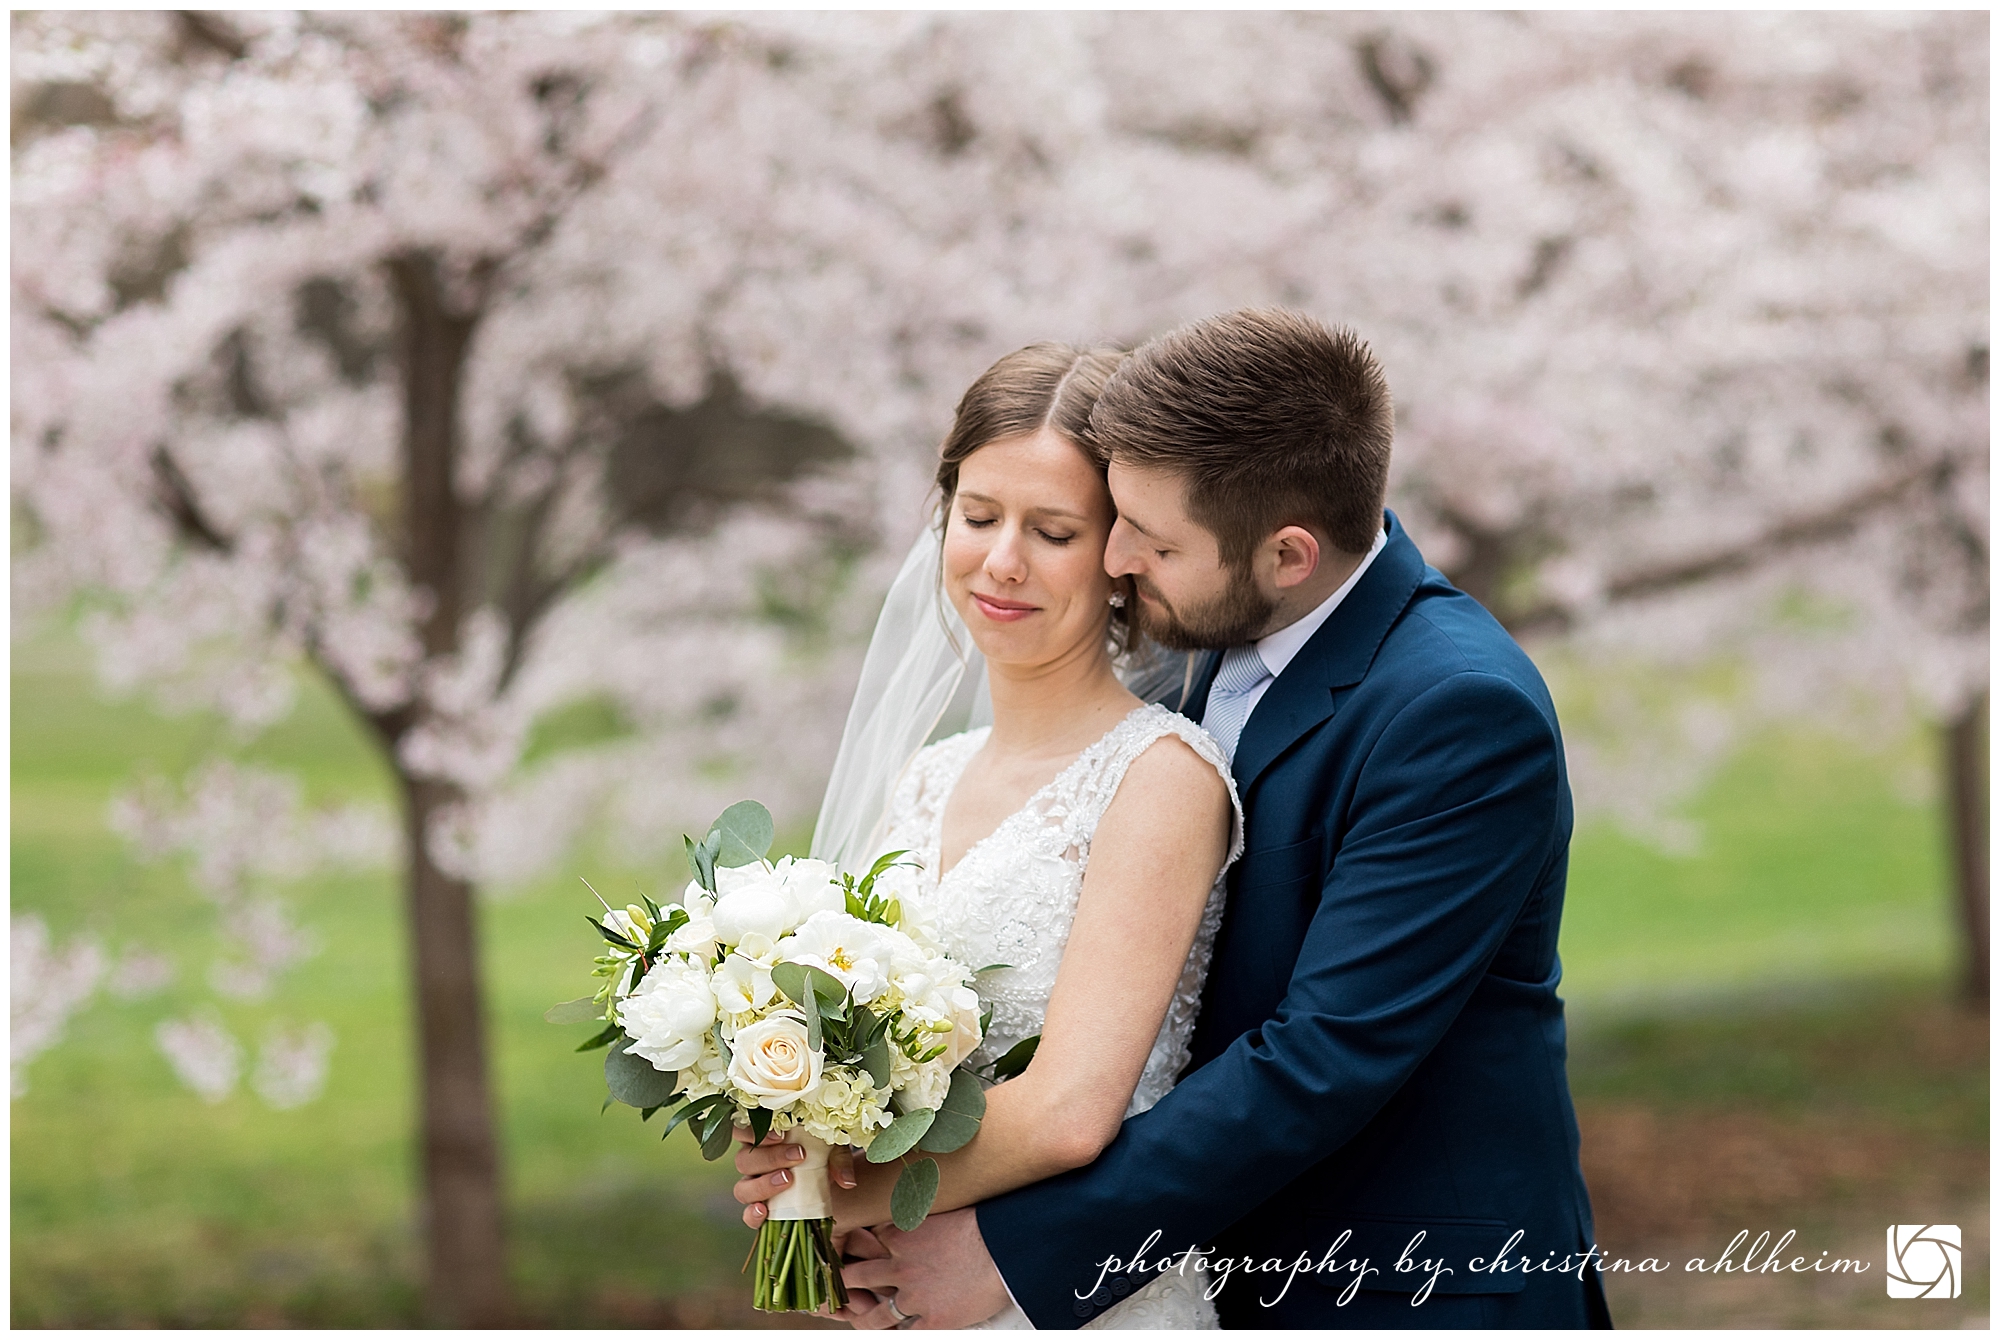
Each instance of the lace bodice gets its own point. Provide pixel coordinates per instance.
(1012, 897)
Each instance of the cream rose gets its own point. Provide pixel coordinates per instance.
(771, 1062)
(962, 1009)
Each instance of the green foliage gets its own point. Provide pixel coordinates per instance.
(915, 1192)
(861, 902)
(901, 1136)
(1017, 1058)
(958, 1117)
(745, 831)
(582, 1010)
(634, 1081)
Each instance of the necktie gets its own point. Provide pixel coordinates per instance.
(1241, 671)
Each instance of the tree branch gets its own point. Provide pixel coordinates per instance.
(174, 494)
(1786, 534)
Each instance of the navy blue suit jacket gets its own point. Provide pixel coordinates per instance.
(1381, 1048)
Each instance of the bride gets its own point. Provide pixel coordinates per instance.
(1080, 839)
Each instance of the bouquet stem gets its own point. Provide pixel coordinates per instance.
(797, 1268)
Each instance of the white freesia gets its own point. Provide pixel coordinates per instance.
(743, 985)
(697, 937)
(772, 1062)
(669, 1017)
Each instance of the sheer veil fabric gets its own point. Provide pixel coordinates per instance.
(918, 660)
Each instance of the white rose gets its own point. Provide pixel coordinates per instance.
(772, 1063)
(670, 1015)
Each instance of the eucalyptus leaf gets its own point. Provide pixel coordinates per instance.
(958, 1117)
(579, 1011)
(746, 831)
(825, 985)
(901, 1136)
(634, 1081)
(915, 1192)
(1017, 1058)
(701, 874)
(875, 1059)
(760, 1124)
(791, 979)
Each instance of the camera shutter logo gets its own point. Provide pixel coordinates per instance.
(1925, 1260)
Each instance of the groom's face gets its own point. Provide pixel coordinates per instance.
(1189, 598)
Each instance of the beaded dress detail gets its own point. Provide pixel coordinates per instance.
(1011, 899)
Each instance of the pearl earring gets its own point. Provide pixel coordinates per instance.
(1117, 600)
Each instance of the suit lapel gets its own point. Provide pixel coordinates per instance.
(1336, 656)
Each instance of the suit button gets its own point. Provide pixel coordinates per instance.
(1121, 1285)
(1083, 1307)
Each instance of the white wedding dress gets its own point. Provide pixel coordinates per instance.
(1011, 899)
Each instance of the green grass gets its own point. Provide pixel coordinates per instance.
(134, 1203)
(1812, 867)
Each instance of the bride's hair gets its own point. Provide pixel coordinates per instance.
(1046, 385)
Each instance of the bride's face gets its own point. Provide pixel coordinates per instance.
(1024, 550)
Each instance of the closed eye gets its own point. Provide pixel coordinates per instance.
(1055, 539)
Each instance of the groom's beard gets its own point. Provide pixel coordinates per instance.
(1236, 616)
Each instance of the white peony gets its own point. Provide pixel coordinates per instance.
(771, 1063)
(670, 1015)
(751, 901)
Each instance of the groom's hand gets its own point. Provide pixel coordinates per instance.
(766, 1170)
(940, 1276)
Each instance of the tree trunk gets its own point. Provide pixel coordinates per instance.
(1965, 768)
(466, 1266)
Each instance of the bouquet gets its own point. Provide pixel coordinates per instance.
(787, 996)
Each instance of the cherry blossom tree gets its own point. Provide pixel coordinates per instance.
(535, 370)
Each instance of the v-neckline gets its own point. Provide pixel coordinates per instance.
(1026, 805)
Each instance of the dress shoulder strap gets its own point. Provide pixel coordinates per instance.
(1132, 737)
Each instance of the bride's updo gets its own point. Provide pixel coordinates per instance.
(1046, 385)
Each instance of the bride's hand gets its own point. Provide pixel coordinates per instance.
(766, 1170)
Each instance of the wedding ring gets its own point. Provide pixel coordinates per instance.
(902, 1318)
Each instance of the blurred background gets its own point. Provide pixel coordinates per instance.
(456, 453)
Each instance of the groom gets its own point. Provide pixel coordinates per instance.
(1375, 1129)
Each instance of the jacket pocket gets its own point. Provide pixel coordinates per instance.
(1451, 1256)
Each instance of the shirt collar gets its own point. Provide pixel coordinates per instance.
(1277, 649)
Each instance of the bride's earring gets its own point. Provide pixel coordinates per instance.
(1117, 600)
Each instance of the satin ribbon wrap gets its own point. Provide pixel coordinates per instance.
(810, 1196)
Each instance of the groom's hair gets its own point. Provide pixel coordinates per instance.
(1271, 419)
